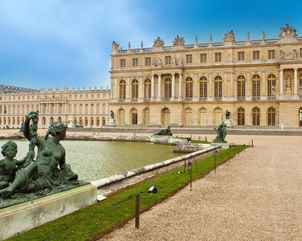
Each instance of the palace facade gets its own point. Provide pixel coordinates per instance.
(86, 108)
(252, 83)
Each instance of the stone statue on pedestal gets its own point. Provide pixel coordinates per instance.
(221, 133)
(164, 132)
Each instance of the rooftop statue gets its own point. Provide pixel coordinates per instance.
(179, 41)
(229, 37)
(46, 173)
(221, 133)
(158, 43)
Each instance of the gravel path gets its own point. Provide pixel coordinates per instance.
(255, 196)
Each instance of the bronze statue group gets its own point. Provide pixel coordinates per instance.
(38, 172)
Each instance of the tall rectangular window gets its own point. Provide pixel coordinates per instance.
(300, 52)
(148, 61)
(271, 54)
(122, 63)
(240, 56)
(189, 58)
(256, 55)
(217, 57)
(135, 62)
(203, 58)
(167, 59)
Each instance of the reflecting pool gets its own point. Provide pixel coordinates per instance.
(97, 159)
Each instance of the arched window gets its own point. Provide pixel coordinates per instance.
(165, 117)
(188, 117)
(300, 116)
(256, 116)
(288, 77)
(217, 116)
(271, 116)
(203, 87)
(240, 117)
(98, 123)
(121, 117)
(146, 117)
(91, 121)
(218, 87)
(86, 121)
(271, 85)
(189, 88)
(147, 89)
(256, 86)
(134, 89)
(241, 86)
(168, 88)
(122, 89)
(133, 116)
(203, 121)
(43, 121)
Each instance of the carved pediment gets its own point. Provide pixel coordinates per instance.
(288, 54)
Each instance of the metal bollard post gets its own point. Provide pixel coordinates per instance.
(137, 210)
(191, 176)
(215, 160)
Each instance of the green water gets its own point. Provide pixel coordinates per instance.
(97, 159)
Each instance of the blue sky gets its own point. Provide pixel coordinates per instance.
(67, 43)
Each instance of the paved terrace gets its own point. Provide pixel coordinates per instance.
(255, 196)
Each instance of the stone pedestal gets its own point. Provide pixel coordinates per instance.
(25, 216)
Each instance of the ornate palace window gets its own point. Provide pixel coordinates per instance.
(147, 89)
(203, 87)
(189, 88)
(256, 55)
(134, 89)
(240, 117)
(271, 116)
(256, 86)
(133, 116)
(217, 57)
(240, 56)
(168, 88)
(218, 87)
(256, 116)
(122, 89)
(271, 85)
(241, 86)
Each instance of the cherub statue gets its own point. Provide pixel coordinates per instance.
(9, 165)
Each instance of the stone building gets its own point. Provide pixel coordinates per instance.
(252, 83)
(87, 108)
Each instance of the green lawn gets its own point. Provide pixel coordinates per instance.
(93, 222)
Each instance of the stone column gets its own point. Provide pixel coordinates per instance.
(281, 83)
(180, 86)
(173, 86)
(117, 89)
(195, 87)
(128, 89)
(159, 87)
(295, 82)
(152, 87)
(141, 89)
